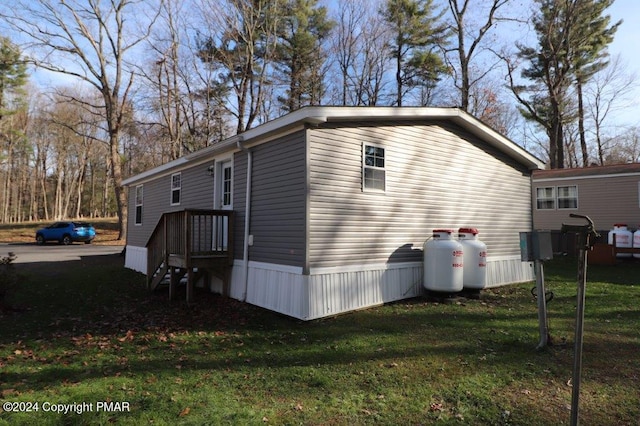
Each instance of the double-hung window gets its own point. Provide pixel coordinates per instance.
(567, 197)
(373, 168)
(561, 197)
(139, 203)
(176, 188)
(546, 198)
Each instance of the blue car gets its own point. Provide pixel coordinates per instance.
(66, 233)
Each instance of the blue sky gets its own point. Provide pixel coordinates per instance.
(627, 45)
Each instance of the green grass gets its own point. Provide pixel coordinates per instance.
(92, 333)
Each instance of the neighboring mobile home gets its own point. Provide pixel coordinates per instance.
(607, 194)
(331, 205)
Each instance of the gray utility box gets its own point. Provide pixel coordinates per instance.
(535, 245)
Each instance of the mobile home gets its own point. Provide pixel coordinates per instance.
(325, 210)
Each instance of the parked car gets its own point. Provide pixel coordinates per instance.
(66, 233)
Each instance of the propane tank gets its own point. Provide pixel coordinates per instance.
(443, 262)
(623, 237)
(636, 241)
(474, 259)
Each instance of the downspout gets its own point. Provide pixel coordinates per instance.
(247, 221)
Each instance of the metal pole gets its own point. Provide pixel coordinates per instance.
(584, 233)
(542, 306)
(577, 356)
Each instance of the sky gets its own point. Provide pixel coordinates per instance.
(627, 44)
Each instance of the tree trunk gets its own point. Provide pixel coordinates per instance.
(583, 141)
(121, 196)
(399, 77)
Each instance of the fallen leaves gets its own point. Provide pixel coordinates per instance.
(436, 406)
(128, 337)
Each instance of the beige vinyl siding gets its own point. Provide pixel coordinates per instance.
(606, 199)
(196, 193)
(278, 197)
(436, 176)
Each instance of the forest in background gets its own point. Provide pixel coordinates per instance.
(94, 91)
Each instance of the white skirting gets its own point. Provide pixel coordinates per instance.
(330, 291)
(136, 258)
(508, 270)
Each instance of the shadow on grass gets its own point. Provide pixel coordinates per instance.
(92, 318)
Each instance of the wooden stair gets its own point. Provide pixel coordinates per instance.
(195, 243)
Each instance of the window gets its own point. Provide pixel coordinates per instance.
(139, 201)
(567, 197)
(176, 186)
(226, 185)
(373, 168)
(545, 198)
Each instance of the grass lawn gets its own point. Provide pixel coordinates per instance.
(88, 332)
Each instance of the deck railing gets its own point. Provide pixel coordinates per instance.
(187, 234)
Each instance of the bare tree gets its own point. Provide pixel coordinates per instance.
(359, 45)
(608, 93)
(95, 42)
(167, 74)
(469, 36)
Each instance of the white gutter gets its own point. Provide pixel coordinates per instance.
(247, 221)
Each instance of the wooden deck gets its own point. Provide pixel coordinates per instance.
(195, 243)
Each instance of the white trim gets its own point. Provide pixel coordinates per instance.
(175, 189)
(362, 267)
(273, 267)
(503, 258)
(554, 198)
(364, 166)
(138, 204)
(535, 180)
(567, 198)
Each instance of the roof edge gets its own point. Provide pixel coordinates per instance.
(316, 115)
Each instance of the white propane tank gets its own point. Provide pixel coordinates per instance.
(636, 241)
(623, 237)
(474, 259)
(443, 262)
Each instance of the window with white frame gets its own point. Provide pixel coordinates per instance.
(373, 168)
(139, 203)
(546, 198)
(567, 197)
(176, 188)
(227, 177)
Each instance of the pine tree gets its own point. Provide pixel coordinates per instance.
(417, 33)
(572, 39)
(13, 73)
(305, 26)
(242, 54)
(590, 37)
(549, 71)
